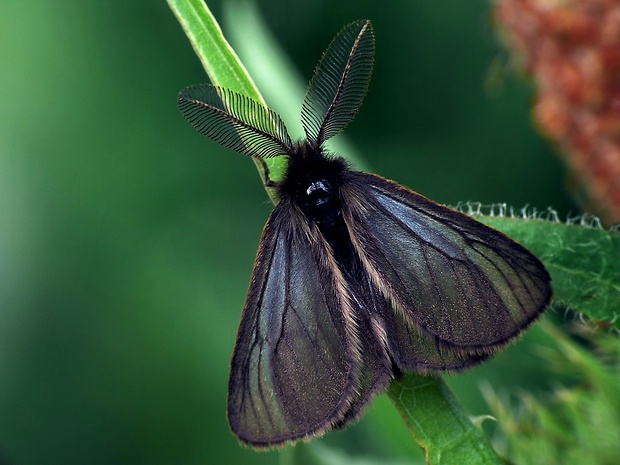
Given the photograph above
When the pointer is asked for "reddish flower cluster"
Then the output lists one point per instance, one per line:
(571, 48)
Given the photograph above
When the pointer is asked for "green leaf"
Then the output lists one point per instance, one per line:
(317, 453)
(440, 426)
(224, 70)
(576, 423)
(582, 258)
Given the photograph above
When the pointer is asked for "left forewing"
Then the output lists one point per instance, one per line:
(295, 366)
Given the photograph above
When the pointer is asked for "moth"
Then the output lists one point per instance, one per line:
(357, 278)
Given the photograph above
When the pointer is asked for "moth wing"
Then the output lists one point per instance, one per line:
(409, 348)
(389, 339)
(294, 369)
(468, 286)
(376, 369)
(415, 350)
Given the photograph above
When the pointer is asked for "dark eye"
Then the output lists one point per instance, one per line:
(318, 192)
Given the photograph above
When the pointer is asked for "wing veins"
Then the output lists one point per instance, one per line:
(262, 394)
(467, 239)
(307, 333)
(520, 296)
(507, 281)
(289, 307)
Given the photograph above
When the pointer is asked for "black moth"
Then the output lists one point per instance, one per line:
(357, 278)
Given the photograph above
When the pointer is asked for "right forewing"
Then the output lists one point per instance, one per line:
(469, 287)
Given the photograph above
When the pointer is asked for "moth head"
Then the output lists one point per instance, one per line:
(312, 184)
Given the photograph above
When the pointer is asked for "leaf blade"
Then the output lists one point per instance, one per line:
(438, 423)
(583, 260)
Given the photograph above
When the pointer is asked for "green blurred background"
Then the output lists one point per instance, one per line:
(127, 240)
